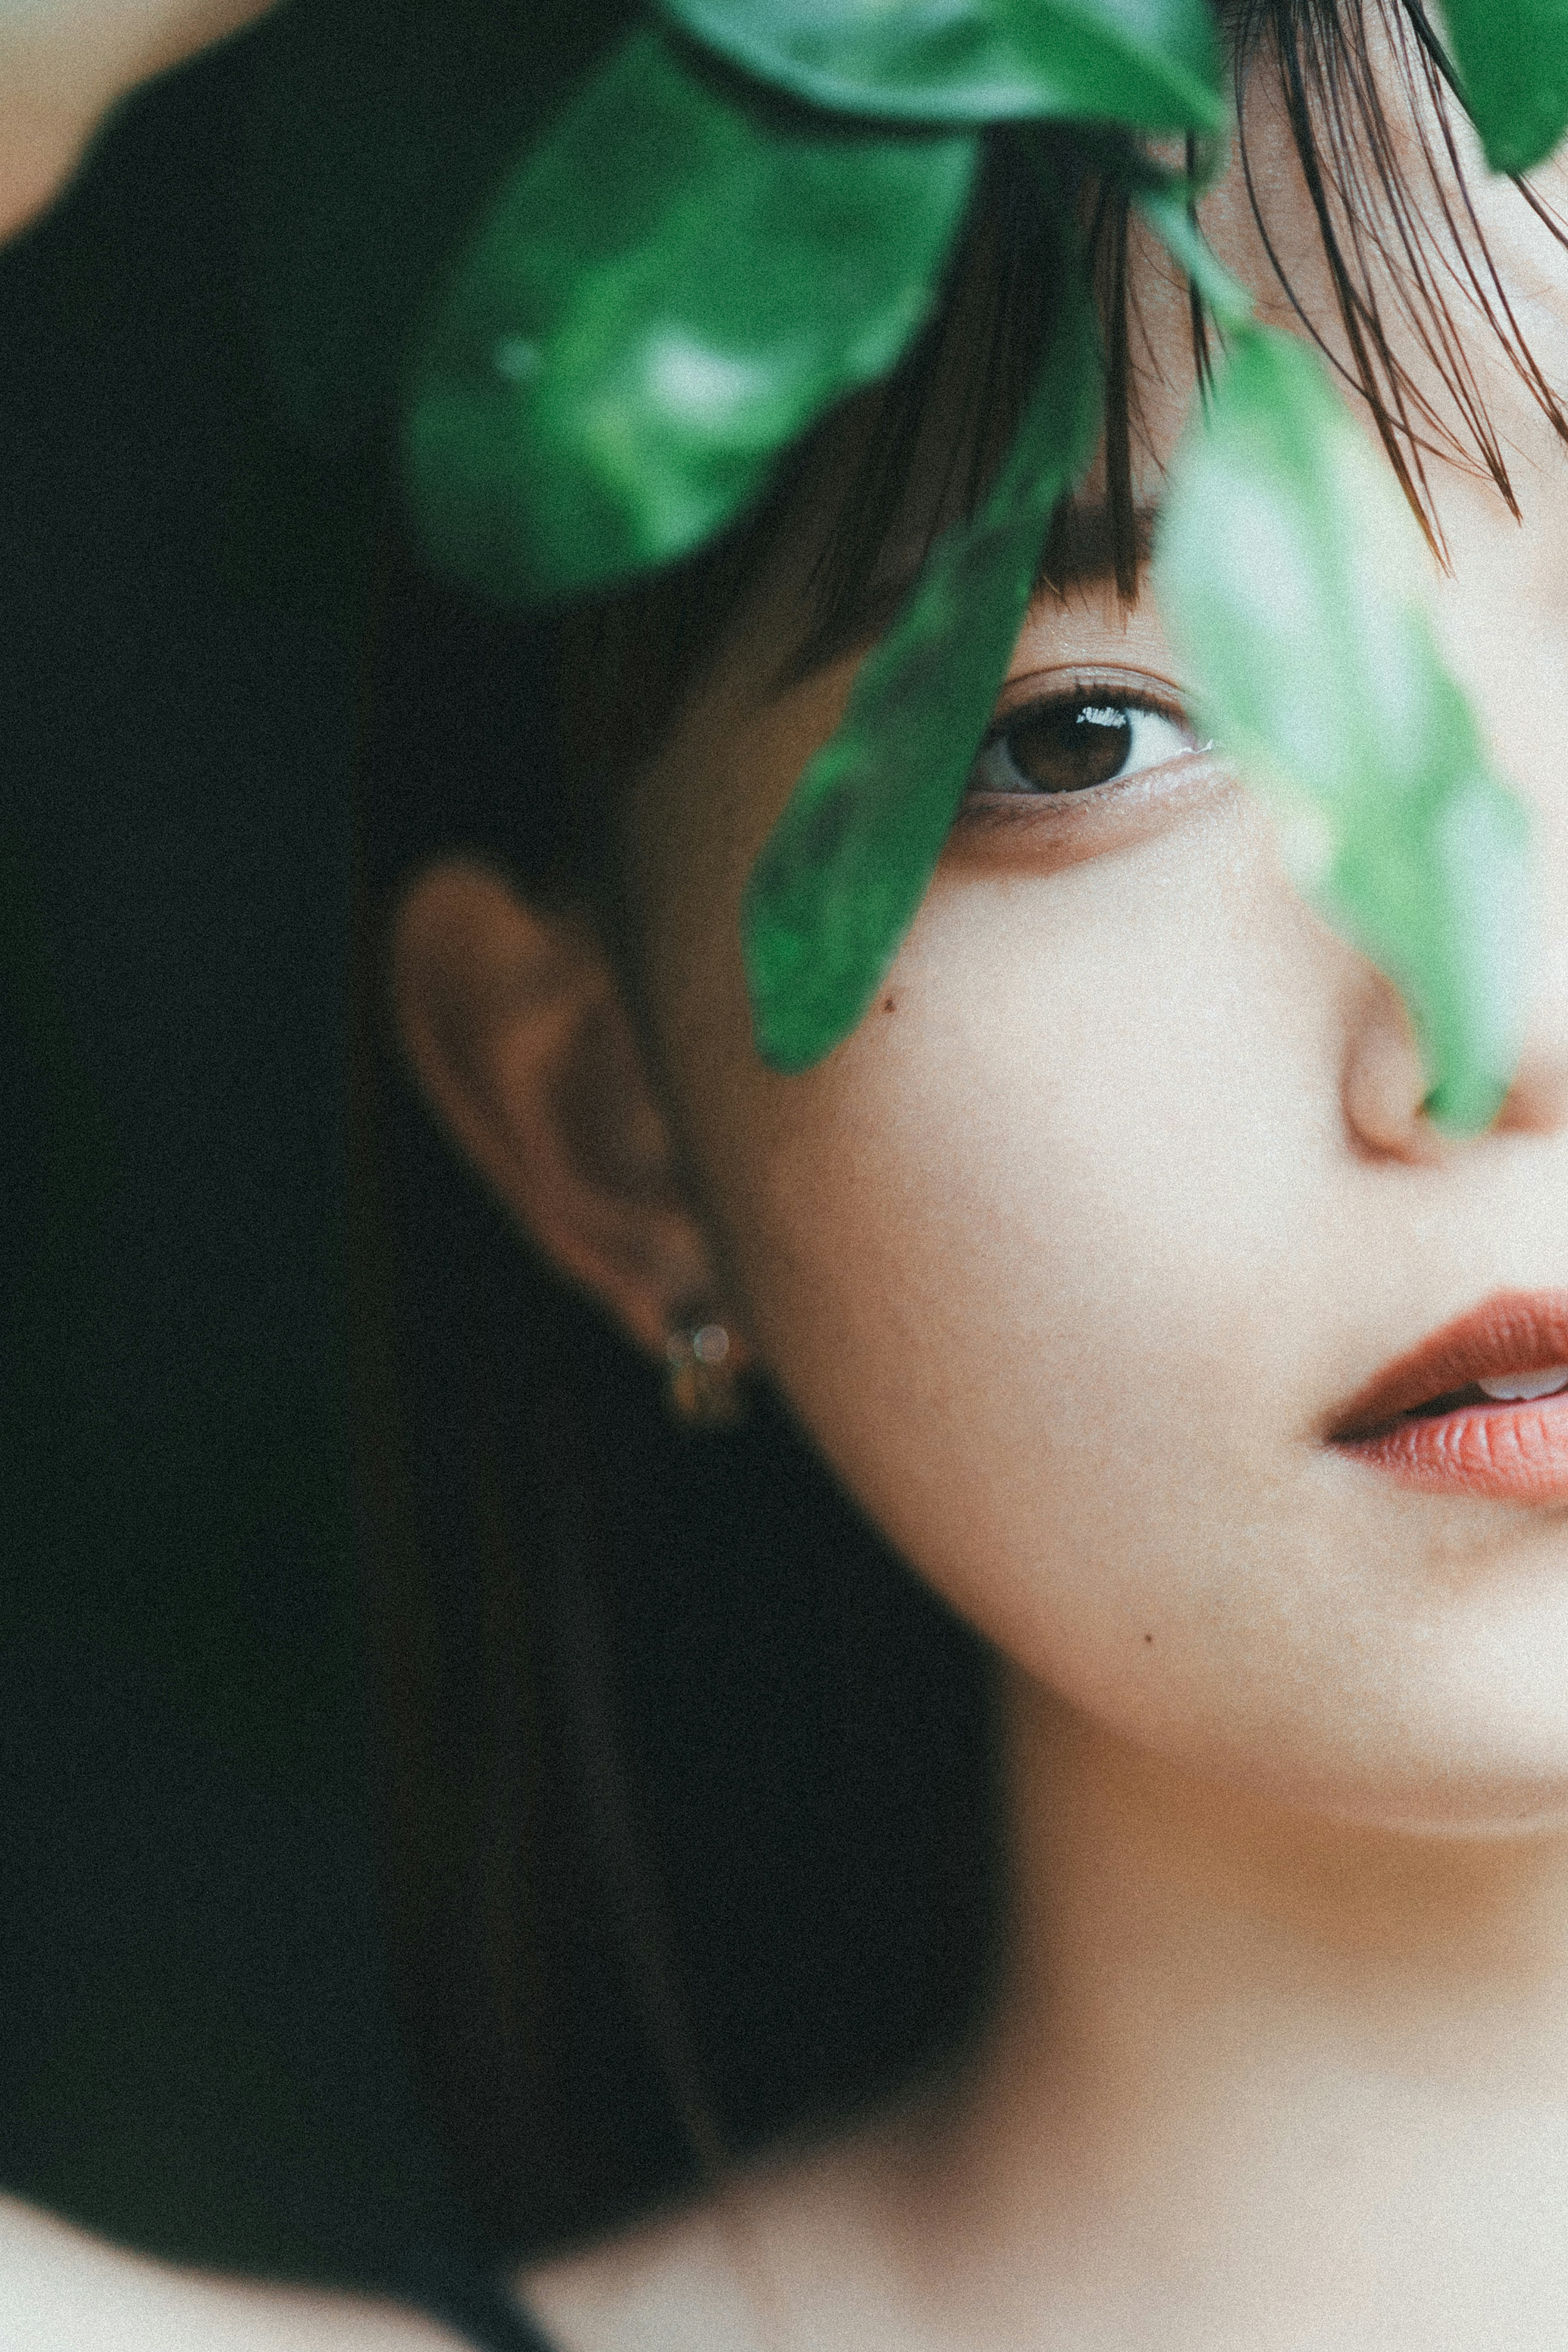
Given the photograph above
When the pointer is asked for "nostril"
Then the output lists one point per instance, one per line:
(1384, 1085)
(1537, 1102)
(1386, 1081)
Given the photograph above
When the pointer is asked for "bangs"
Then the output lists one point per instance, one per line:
(1391, 194)
(1370, 107)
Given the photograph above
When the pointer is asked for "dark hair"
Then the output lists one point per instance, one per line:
(686, 1780)
(1403, 247)
(690, 1830)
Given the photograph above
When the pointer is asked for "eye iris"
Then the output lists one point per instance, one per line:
(1069, 750)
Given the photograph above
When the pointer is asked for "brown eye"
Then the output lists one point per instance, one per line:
(1070, 746)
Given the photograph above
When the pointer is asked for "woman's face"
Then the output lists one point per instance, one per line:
(1067, 1258)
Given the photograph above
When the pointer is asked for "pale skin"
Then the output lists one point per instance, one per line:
(65, 63)
(1063, 1261)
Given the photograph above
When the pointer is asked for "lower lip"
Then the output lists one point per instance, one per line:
(1503, 1452)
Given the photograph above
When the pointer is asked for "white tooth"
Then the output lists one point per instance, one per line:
(1519, 1385)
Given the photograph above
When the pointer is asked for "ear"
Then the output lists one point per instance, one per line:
(516, 1030)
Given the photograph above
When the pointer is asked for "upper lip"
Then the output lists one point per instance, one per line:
(1514, 1331)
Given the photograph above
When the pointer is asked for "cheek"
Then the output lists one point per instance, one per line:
(1059, 1262)
(1045, 1262)
(1017, 1254)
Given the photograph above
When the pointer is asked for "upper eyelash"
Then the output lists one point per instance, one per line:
(1086, 690)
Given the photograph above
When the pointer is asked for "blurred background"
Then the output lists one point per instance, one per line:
(235, 2030)
(198, 2050)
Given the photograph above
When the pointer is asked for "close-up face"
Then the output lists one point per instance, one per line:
(1075, 1257)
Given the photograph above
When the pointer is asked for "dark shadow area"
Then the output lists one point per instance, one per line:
(308, 1932)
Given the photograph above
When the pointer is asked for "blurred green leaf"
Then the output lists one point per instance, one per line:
(665, 294)
(1152, 63)
(842, 875)
(1511, 56)
(1292, 576)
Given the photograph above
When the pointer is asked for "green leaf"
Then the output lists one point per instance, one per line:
(664, 296)
(1292, 576)
(842, 875)
(1511, 56)
(1151, 63)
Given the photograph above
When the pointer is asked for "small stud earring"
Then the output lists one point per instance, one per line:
(702, 1385)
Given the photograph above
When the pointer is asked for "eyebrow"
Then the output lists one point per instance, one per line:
(1080, 551)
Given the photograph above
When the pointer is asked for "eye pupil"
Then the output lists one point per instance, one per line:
(1071, 748)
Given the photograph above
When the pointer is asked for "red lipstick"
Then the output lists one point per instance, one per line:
(1426, 1420)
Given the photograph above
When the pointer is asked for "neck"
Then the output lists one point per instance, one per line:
(1263, 2057)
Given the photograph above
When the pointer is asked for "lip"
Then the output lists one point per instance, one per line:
(1506, 1452)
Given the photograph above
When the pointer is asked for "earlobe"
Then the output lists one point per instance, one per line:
(514, 1027)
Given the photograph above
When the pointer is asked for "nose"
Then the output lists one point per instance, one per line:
(1385, 1080)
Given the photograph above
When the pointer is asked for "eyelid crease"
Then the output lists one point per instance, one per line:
(1074, 685)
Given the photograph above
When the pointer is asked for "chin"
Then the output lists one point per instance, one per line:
(1450, 1790)
(1442, 1754)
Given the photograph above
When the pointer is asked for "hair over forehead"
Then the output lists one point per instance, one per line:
(1370, 109)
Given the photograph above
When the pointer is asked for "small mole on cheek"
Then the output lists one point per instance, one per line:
(887, 1005)
(1149, 1638)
